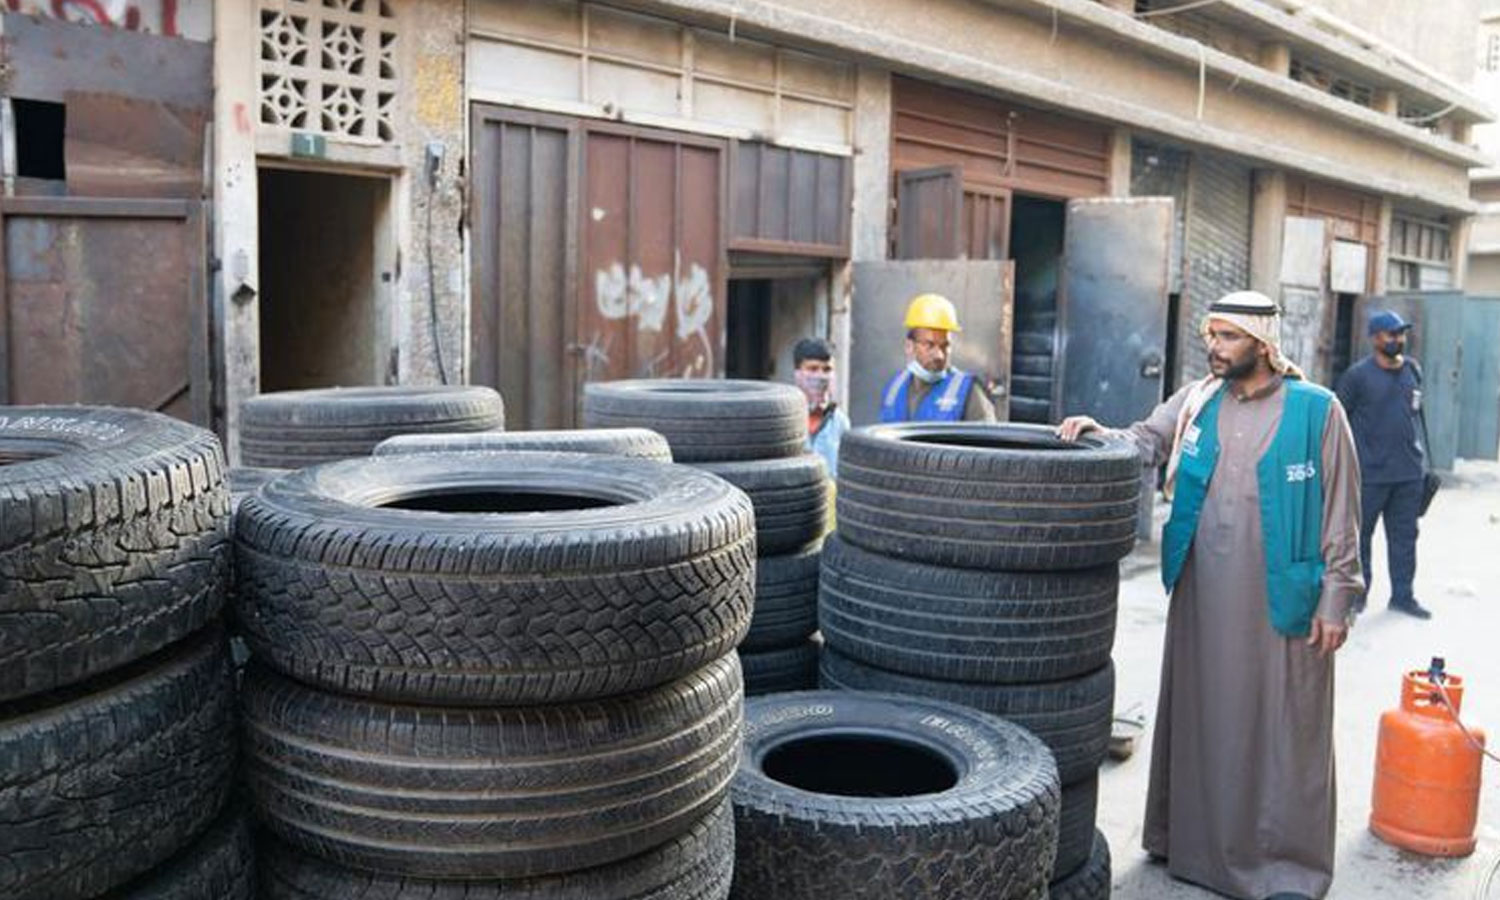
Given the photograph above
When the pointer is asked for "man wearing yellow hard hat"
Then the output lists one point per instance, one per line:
(930, 389)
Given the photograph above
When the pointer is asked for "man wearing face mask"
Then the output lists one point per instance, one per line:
(1383, 395)
(826, 422)
(930, 389)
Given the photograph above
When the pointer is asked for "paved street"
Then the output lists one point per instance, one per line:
(1458, 577)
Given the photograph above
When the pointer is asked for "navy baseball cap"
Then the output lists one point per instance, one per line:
(1387, 320)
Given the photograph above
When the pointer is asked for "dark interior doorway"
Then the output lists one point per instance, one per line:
(1344, 336)
(323, 279)
(1172, 365)
(770, 309)
(1036, 243)
(747, 329)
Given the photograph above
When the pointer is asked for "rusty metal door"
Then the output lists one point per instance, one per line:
(929, 213)
(102, 262)
(101, 302)
(655, 261)
(524, 263)
(1113, 307)
(982, 290)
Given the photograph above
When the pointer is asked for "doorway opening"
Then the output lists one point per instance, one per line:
(1172, 365)
(40, 129)
(1344, 336)
(325, 274)
(1036, 244)
(773, 303)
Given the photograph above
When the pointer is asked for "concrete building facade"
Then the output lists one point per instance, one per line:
(534, 194)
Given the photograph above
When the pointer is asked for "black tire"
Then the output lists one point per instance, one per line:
(695, 866)
(1073, 716)
(484, 608)
(705, 420)
(986, 496)
(1033, 343)
(1075, 826)
(786, 600)
(778, 671)
(293, 429)
(790, 496)
(219, 865)
(114, 540)
(502, 792)
(1091, 881)
(966, 624)
(640, 443)
(1030, 409)
(1032, 364)
(110, 778)
(857, 795)
(246, 480)
(1032, 385)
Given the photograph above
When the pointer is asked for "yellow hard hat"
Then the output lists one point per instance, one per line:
(932, 311)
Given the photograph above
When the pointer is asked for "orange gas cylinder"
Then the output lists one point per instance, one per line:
(1427, 769)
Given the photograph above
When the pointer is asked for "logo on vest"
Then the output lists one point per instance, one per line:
(1299, 472)
(1190, 440)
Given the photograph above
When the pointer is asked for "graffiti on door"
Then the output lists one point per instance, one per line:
(622, 294)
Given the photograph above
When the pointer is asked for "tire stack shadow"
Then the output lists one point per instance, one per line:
(978, 564)
(117, 734)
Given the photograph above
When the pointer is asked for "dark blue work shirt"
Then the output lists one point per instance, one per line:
(1384, 407)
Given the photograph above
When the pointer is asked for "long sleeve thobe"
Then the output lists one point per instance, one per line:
(1242, 796)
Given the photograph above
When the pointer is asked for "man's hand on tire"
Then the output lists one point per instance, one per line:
(1075, 427)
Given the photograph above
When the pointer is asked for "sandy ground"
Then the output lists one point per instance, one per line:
(1458, 577)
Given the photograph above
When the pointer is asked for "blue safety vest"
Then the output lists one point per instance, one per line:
(944, 403)
(1290, 480)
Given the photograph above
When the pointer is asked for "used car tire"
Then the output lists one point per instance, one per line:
(786, 600)
(860, 795)
(293, 429)
(627, 574)
(114, 540)
(219, 865)
(110, 778)
(704, 420)
(777, 671)
(966, 624)
(989, 496)
(641, 443)
(790, 496)
(1076, 825)
(1073, 716)
(694, 866)
(500, 792)
(1091, 881)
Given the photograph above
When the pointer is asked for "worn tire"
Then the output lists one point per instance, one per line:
(246, 480)
(640, 443)
(1089, 882)
(778, 671)
(790, 496)
(219, 865)
(966, 624)
(502, 792)
(987, 496)
(1030, 409)
(1073, 716)
(1076, 823)
(114, 540)
(874, 796)
(293, 429)
(705, 420)
(494, 608)
(109, 778)
(786, 600)
(694, 866)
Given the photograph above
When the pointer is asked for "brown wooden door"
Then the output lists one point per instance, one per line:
(929, 213)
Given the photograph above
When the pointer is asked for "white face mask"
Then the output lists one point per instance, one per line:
(922, 374)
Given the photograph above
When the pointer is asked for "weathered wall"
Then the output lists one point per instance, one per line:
(1484, 275)
(1094, 71)
(1440, 33)
(173, 18)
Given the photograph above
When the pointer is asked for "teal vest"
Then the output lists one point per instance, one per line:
(1291, 503)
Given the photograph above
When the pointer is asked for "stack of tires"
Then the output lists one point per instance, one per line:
(752, 434)
(978, 564)
(117, 734)
(494, 675)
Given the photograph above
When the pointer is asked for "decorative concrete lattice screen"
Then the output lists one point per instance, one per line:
(328, 66)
